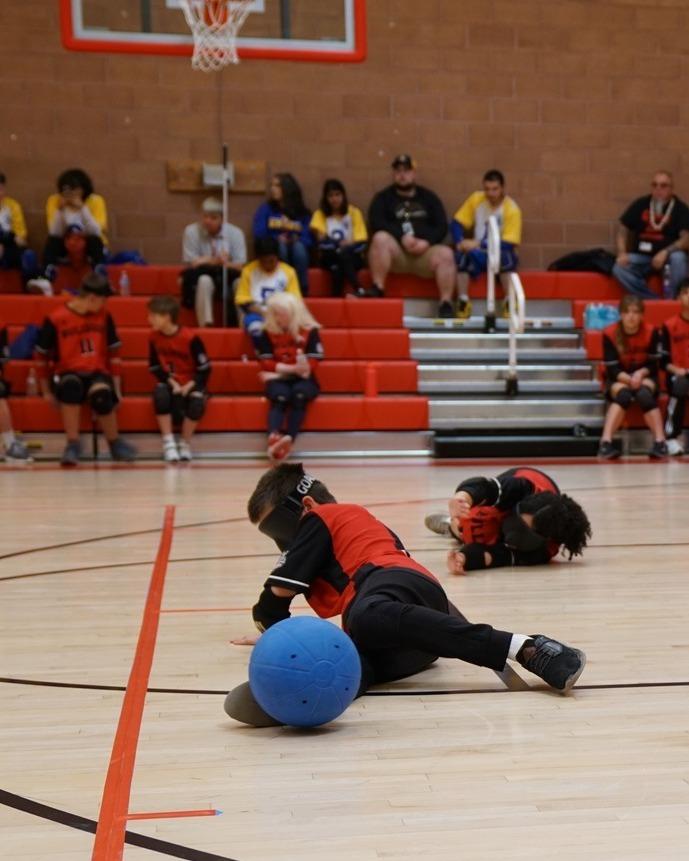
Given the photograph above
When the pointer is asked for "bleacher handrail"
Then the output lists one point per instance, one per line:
(516, 301)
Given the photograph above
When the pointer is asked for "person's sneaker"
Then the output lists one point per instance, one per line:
(280, 449)
(674, 447)
(120, 449)
(376, 291)
(658, 450)
(505, 309)
(71, 454)
(463, 309)
(557, 664)
(170, 453)
(445, 311)
(184, 451)
(39, 287)
(438, 523)
(607, 451)
(17, 453)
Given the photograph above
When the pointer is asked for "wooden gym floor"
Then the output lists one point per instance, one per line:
(452, 767)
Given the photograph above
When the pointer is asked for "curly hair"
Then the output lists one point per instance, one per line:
(559, 518)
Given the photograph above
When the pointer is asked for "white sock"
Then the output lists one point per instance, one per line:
(168, 440)
(8, 438)
(464, 297)
(516, 643)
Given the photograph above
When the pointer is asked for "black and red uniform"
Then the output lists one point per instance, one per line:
(345, 561)
(493, 500)
(86, 345)
(674, 350)
(640, 351)
(181, 356)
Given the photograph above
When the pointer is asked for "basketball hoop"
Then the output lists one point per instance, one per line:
(214, 25)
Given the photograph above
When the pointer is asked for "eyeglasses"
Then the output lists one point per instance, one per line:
(661, 184)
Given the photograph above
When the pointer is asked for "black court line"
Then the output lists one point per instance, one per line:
(387, 693)
(81, 823)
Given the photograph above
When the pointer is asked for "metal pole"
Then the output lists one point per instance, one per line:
(225, 210)
(146, 19)
(285, 20)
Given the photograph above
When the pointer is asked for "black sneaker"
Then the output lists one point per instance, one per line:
(120, 449)
(71, 454)
(464, 309)
(607, 451)
(557, 664)
(659, 450)
(446, 311)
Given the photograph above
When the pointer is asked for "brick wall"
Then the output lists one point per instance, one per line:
(577, 101)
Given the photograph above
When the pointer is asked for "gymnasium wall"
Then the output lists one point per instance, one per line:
(577, 101)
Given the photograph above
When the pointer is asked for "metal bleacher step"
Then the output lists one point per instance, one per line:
(475, 323)
(515, 413)
(468, 378)
(476, 346)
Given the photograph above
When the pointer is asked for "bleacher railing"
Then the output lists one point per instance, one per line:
(516, 303)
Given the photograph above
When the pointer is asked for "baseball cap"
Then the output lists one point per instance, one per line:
(212, 205)
(96, 284)
(404, 160)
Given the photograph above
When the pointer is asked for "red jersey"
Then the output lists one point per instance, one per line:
(282, 347)
(640, 351)
(335, 548)
(674, 338)
(181, 355)
(81, 343)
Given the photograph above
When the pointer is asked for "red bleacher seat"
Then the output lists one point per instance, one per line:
(10, 281)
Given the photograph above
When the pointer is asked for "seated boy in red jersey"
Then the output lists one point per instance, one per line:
(78, 347)
(518, 518)
(345, 561)
(178, 360)
(15, 451)
(674, 359)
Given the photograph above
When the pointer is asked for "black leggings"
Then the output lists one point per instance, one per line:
(289, 397)
(401, 622)
(343, 264)
(678, 388)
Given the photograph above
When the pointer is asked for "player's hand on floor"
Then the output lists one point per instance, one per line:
(456, 561)
(245, 640)
(460, 505)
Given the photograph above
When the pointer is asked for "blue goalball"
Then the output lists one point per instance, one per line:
(304, 671)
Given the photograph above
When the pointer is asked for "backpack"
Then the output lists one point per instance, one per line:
(592, 260)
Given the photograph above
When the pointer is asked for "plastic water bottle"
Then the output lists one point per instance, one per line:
(667, 282)
(125, 287)
(31, 383)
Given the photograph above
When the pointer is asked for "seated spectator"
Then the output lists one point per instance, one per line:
(472, 250)
(178, 360)
(259, 280)
(518, 518)
(284, 217)
(14, 253)
(15, 451)
(208, 245)
(653, 233)
(674, 358)
(341, 233)
(78, 350)
(630, 355)
(75, 203)
(289, 350)
(408, 225)
(75, 266)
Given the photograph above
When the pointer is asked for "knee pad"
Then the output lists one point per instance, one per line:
(680, 387)
(195, 406)
(70, 389)
(624, 398)
(646, 399)
(102, 399)
(162, 399)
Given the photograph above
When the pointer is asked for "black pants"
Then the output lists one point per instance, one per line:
(343, 264)
(288, 400)
(401, 621)
(11, 254)
(678, 388)
(55, 251)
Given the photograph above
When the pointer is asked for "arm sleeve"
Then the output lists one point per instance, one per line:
(664, 347)
(202, 362)
(154, 364)
(611, 359)
(238, 247)
(310, 553)
(190, 247)
(91, 225)
(318, 223)
(654, 353)
(313, 349)
(501, 556)
(512, 224)
(97, 208)
(305, 235)
(50, 210)
(435, 230)
(243, 294)
(44, 351)
(270, 609)
(56, 225)
(502, 492)
(259, 225)
(380, 218)
(264, 351)
(359, 232)
(18, 222)
(465, 215)
(293, 284)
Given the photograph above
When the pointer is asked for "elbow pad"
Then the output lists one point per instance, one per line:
(270, 609)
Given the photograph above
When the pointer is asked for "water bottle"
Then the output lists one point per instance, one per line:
(31, 383)
(125, 287)
(667, 282)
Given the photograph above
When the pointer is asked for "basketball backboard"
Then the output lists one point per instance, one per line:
(311, 30)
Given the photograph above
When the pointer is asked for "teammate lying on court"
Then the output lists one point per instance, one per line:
(346, 562)
(518, 518)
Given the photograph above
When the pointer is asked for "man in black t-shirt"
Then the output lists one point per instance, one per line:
(408, 226)
(653, 234)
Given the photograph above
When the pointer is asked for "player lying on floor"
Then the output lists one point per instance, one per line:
(345, 562)
(518, 518)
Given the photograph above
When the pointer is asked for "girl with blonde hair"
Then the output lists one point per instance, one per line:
(289, 350)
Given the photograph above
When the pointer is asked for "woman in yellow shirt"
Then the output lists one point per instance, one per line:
(341, 233)
(75, 203)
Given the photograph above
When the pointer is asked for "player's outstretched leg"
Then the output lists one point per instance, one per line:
(557, 664)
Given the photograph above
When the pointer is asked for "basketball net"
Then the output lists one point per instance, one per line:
(214, 25)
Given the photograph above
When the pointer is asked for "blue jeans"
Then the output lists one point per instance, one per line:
(297, 255)
(475, 262)
(633, 276)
